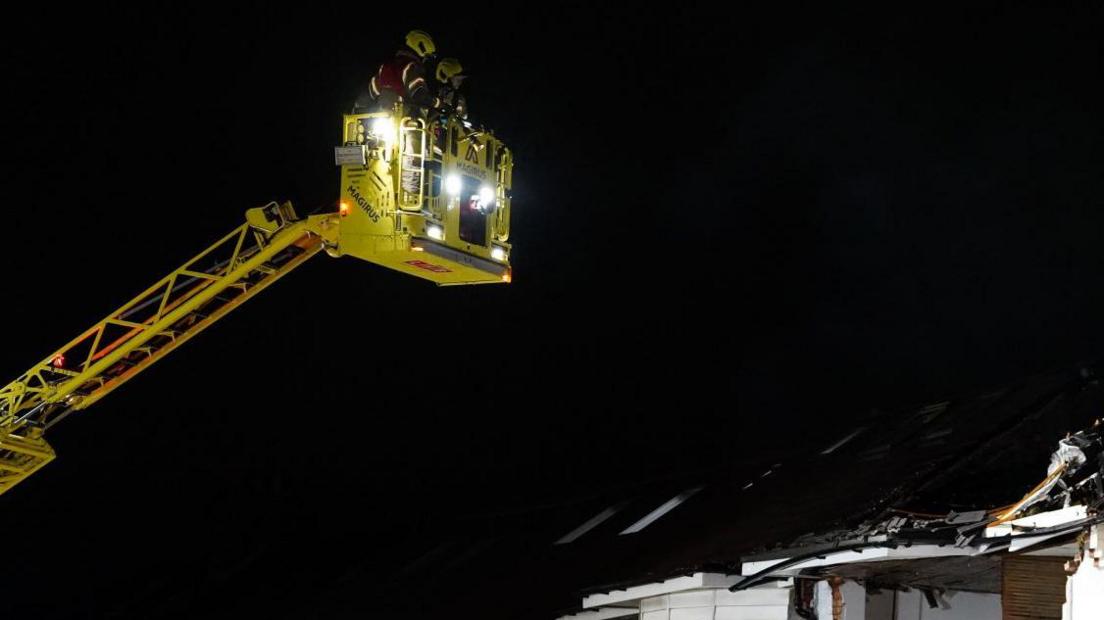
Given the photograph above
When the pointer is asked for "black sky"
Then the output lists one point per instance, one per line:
(733, 232)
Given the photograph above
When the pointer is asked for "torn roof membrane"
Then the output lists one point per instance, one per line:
(1062, 506)
(931, 475)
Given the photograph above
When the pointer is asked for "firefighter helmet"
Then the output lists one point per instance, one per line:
(447, 69)
(421, 43)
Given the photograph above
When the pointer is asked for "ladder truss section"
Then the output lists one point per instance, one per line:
(144, 330)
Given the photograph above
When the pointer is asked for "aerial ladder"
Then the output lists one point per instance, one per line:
(426, 197)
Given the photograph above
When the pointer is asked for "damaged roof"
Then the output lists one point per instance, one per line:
(536, 561)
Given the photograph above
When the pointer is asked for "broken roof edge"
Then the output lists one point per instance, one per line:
(1064, 523)
(866, 520)
(973, 533)
(1070, 480)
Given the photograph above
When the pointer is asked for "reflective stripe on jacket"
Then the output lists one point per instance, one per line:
(403, 75)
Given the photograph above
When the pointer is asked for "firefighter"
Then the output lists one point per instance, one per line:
(449, 77)
(452, 102)
(403, 78)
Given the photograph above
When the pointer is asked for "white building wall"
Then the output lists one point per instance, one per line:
(1085, 588)
(773, 602)
(765, 603)
(881, 605)
(953, 606)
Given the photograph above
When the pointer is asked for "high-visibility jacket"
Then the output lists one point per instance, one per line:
(403, 75)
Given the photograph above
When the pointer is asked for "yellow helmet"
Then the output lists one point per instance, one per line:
(448, 68)
(421, 43)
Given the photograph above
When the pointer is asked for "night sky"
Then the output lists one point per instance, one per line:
(733, 233)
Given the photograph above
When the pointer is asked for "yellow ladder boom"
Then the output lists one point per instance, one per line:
(428, 199)
(271, 243)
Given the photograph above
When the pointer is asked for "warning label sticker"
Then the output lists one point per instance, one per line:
(421, 264)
